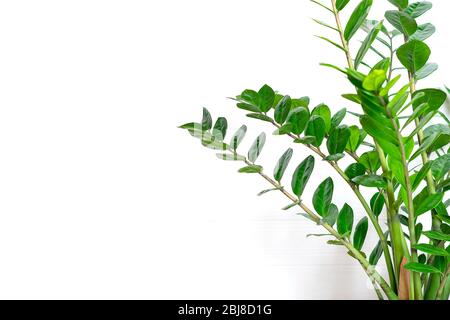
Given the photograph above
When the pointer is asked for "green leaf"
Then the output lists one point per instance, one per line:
(401, 4)
(429, 203)
(301, 176)
(248, 107)
(316, 129)
(427, 143)
(260, 116)
(355, 170)
(421, 175)
(334, 157)
(230, 157)
(437, 235)
(370, 160)
(352, 97)
(367, 43)
(421, 268)
(376, 254)
(377, 203)
(377, 130)
(435, 98)
(441, 166)
(282, 164)
(206, 120)
(360, 233)
(298, 118)
(374, 80)
(284, 129)
(423, 32)
(401, 21)
(236, 139)
(332, 215)
(251, 97)
(345, 220)
(322, 197)
(413, 55)
(354, 139)
(389, 86)
(430, 249)
(371, 181)
(340, 4)
(323, 111)
(220, 128)
(426, 70)
(266, 97)
(338, 117)
(282, 109)
(305, 140)
(256, 147)
(300, 102)
(357, 18)
(251, 169)
(417, 9)
(338, 139)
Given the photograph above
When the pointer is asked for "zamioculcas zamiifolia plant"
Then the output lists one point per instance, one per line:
(399, 152)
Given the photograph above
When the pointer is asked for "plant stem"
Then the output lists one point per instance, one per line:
(399, 247)
(440, 290)
(341, 34)
(434, 279)
(373, 219)
(416, 283)
(371, 272)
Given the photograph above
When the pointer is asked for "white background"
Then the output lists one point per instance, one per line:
(101, 196)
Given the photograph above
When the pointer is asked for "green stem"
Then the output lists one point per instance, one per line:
(371, 272)
(443, 284)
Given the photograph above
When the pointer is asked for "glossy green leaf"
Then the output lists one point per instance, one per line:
(260, 116)
(316, 129)
(340, 4)
(402, 22)
(401, 4)
(333, 213)
(421, 268)
(334, 157)
(423, 32)
(282, 109)
(422, 206)
(376, 254)
(282, 164)
(371, 181)
(367, 43)
(413, 55)
(354, 138)
(389, 86)
(298, 119)
(360, 233)
(435, 98)
(374, 80)
(220, 128)
(256, 148)
(430, 249)
(370, 160)
(352, 97)
(248, 107)
(426, 70)
(266, 97)
(236, 139)
(300, 102)
(230, 157)
(284, 129)
(355, 170)
(377, 203)
(301, 176)
(345, 220)
(323, 111)
(338, 117)
(357, 18)
(206, 120)
(441, 166)
(421, 175)
(250, 97)
(251, 169)
(338, 139)
(322, 197)
(417, 9)
(436, 235)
